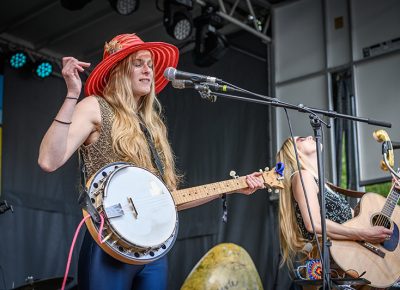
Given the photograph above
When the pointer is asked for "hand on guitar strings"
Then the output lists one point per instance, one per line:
(255, 182)
(375, 234)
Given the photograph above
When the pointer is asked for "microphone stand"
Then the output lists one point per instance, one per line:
(315, 122)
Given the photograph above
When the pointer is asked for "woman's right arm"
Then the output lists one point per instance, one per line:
(75, 121)
(373, 234)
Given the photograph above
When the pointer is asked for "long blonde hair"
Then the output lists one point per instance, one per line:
(291, 239)
(127, 137)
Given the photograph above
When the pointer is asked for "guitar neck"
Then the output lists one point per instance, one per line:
(391, 202)
(208, 190)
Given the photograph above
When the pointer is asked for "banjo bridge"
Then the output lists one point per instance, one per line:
(135, 213)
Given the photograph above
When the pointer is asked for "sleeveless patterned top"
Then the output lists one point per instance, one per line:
(337, 210)
(100, 153)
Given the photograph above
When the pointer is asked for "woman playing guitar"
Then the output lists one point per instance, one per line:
(295, 220)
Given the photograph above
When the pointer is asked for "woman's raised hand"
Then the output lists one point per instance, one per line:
(70, 71)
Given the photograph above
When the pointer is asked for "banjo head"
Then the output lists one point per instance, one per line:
(140, 217)
(149, 214)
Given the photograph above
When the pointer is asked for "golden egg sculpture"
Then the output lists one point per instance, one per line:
(225, 266)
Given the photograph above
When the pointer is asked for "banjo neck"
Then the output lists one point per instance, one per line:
(271, 179)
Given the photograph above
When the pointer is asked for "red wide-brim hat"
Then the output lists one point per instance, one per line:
(164, 55)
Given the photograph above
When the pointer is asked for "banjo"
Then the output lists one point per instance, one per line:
(140, 215)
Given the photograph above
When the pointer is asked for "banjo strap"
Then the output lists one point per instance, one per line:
(154, 154)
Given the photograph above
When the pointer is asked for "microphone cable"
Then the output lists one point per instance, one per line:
(294, 147)
(71, 250)
(302, 184)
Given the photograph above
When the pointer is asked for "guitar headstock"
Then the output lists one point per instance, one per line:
(274, 178)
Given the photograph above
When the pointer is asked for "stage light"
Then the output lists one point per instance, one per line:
(178, 19)
(43, 69)
(125, 7)
(18, 59)
(210, 45)
(74, 4)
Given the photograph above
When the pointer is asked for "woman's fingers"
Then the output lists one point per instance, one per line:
(254, 181)
(71, 64)
(84, 64)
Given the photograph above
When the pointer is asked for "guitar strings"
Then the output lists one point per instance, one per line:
(382, 220)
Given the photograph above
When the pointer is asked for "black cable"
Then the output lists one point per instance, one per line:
(275, 100)
(302, 183)
(158, 6)
(327, 275)
(3, 278)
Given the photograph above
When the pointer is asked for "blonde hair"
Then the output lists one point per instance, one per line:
(291, 239)
(127, 137)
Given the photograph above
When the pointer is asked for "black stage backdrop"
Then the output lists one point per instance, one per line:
(209, 140)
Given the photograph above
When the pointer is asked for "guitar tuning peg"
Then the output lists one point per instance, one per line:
(233, 174)
(269, 190)
(260, 170)
(276, 191)
(266, 168)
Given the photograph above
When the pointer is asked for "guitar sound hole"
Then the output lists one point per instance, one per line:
(381, 220)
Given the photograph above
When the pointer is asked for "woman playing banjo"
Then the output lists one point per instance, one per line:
(110, 125)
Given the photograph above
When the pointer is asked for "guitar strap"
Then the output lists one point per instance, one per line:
(155, 157)
(348, 192)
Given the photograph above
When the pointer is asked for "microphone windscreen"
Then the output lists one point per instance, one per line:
(169, 73)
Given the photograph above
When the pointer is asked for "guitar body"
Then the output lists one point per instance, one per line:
(383, 269)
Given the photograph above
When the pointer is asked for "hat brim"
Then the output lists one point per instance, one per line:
(164, 55)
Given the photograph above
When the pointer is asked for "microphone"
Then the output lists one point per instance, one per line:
(186, 84)
(202, 88)
(183, 84)
(387, 148)
(171, 74)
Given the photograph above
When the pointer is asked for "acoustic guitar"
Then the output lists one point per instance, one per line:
(380, 262)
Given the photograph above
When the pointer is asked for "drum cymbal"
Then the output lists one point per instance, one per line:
(44, 284)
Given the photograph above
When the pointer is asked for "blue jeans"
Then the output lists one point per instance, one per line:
(99, 271)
